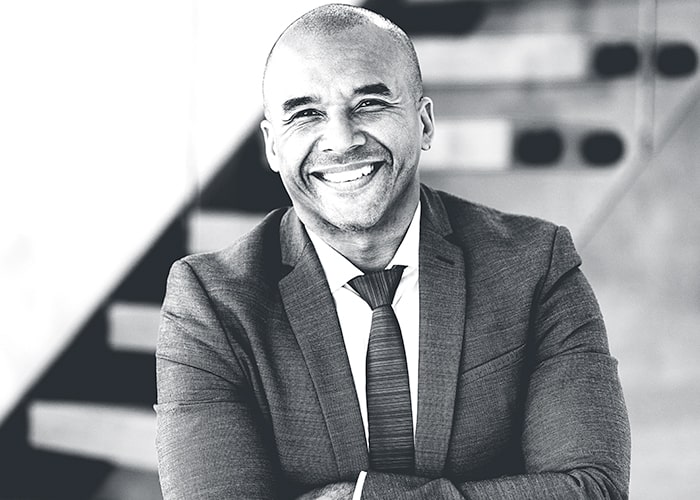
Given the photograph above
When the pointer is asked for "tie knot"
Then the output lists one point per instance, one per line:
(378, 288)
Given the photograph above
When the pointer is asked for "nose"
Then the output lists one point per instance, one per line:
(340, 134)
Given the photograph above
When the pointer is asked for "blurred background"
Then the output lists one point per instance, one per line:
(129, 138)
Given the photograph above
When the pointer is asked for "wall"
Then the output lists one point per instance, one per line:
(643, 264)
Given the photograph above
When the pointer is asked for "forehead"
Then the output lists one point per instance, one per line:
(326, 65)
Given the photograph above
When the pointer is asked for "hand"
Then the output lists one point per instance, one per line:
(334, 491)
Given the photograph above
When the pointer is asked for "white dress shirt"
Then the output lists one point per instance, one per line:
(355, 315)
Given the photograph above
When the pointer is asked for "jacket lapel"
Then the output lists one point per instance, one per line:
(442, 314)
(313, 318)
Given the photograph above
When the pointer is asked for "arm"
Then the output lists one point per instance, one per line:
(575, 441)
(211, 438)
(334, 491)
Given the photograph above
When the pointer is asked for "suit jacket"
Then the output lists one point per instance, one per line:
(518, 396)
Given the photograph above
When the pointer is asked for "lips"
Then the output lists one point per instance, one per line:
(347, 173)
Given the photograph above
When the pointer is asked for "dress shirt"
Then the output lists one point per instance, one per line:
(355, 315)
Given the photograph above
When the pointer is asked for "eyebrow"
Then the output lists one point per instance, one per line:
(373, 88)
(295, 102)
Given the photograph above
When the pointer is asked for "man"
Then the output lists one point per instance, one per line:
(270, 381)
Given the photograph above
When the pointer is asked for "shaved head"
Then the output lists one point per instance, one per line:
(329, 20)
(345, 123)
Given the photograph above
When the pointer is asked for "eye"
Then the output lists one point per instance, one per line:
(304, 113)
(370, 103)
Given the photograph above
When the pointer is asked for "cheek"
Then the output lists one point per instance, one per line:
(401, 135)
(294, 147)
(405, 148)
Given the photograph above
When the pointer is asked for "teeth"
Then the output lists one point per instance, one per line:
(347, 176)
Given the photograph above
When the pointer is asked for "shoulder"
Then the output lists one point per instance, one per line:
(480, 223)
(491, 238)
(255, 257)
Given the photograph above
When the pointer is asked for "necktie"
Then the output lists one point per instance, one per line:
(388, 395)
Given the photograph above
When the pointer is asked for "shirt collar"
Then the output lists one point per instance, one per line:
(340, 270)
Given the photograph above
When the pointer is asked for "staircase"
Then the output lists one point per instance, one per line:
(549, 108)
(88, 427)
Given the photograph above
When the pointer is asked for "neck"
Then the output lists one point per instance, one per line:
(371, 249)
(366, 251)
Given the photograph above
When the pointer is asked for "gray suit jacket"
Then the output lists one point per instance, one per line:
(518, 396)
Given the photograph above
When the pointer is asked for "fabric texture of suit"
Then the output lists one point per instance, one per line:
(518, 396)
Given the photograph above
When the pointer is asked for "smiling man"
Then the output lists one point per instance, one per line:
(380, 339)
(345, 123)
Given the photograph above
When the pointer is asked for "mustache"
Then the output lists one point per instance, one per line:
(359, 155)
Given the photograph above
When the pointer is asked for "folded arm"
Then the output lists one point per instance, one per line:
(576, 439)
(212, 441)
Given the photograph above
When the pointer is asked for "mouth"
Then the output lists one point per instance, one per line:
(347, 173)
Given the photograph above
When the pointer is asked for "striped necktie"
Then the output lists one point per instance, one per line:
(388, 395)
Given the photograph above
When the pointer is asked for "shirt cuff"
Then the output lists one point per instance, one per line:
(357, 494)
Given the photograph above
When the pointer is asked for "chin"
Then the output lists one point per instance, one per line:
(362, 223)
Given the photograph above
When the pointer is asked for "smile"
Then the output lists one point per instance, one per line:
(343, 175)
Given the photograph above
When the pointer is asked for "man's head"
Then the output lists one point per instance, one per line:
(331, 19)
(346, 119)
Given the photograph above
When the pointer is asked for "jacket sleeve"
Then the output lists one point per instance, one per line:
(576, 438)
(210, 438)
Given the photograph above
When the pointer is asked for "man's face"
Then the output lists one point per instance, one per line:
(344, 129)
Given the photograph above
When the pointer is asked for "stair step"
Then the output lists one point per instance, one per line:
(611, 103)
(128, 484)
(473, 144)
(121, 435)
(503, 58)
(496, 144)
(212, 230)
(133, 327)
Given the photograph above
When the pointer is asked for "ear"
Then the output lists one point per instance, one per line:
(428, 120)
(269, 137)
